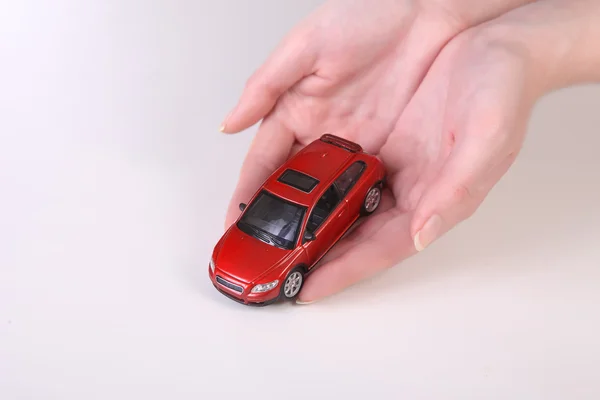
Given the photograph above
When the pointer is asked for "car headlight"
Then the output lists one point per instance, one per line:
(212, 265)
(264, 287)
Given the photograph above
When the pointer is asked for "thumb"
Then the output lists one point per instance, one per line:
(461, 186)
(290, 62)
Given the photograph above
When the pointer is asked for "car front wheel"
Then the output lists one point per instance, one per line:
(293, 283)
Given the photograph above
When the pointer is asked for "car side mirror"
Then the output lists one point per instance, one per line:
(242, 206)
(309, 236)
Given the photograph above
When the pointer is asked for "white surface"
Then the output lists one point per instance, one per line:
(114, 183)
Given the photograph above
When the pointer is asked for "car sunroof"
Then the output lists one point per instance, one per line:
(298, 180)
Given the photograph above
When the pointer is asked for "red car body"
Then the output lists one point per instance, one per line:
(294, 218)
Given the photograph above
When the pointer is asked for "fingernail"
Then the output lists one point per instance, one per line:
(428, 233)
(304, 302)
(224, 124)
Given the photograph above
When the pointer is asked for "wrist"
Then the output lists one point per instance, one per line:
(469, 13)
(559, 41)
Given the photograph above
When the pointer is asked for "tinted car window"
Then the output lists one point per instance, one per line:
(323, 208)
(273, 220)
(348, 178)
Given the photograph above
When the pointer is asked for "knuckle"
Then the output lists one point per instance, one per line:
(466, 208)
(271, 90)
(461, 194)
(491, 127)
(258, 83)
(469, 211)
(467, 199)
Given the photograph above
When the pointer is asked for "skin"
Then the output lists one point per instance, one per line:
(440, 90)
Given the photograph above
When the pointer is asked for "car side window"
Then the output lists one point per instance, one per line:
(323, 208)
(349, 177)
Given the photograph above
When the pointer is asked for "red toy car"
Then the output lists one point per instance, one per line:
(297, 215)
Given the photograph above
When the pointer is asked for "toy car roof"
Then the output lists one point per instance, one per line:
(300, 178)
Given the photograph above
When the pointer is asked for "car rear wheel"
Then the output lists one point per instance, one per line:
(293, 283)
(372, 200)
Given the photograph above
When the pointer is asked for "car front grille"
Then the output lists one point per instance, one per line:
(229, 285)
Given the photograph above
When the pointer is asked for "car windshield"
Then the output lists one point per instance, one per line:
(273, 220)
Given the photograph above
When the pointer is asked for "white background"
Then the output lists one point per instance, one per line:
(114, 183)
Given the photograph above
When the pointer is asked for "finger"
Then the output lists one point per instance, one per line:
(384, 248)
(462, 184)
(289, 63)
(296, 147)
(363, 229)
(269, 149)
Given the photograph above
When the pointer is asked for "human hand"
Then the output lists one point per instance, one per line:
(350, 68)
(353, 70)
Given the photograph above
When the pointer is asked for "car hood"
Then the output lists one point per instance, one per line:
(245, 257)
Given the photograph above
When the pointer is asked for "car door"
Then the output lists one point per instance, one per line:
(349, 186)
(327, 221)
